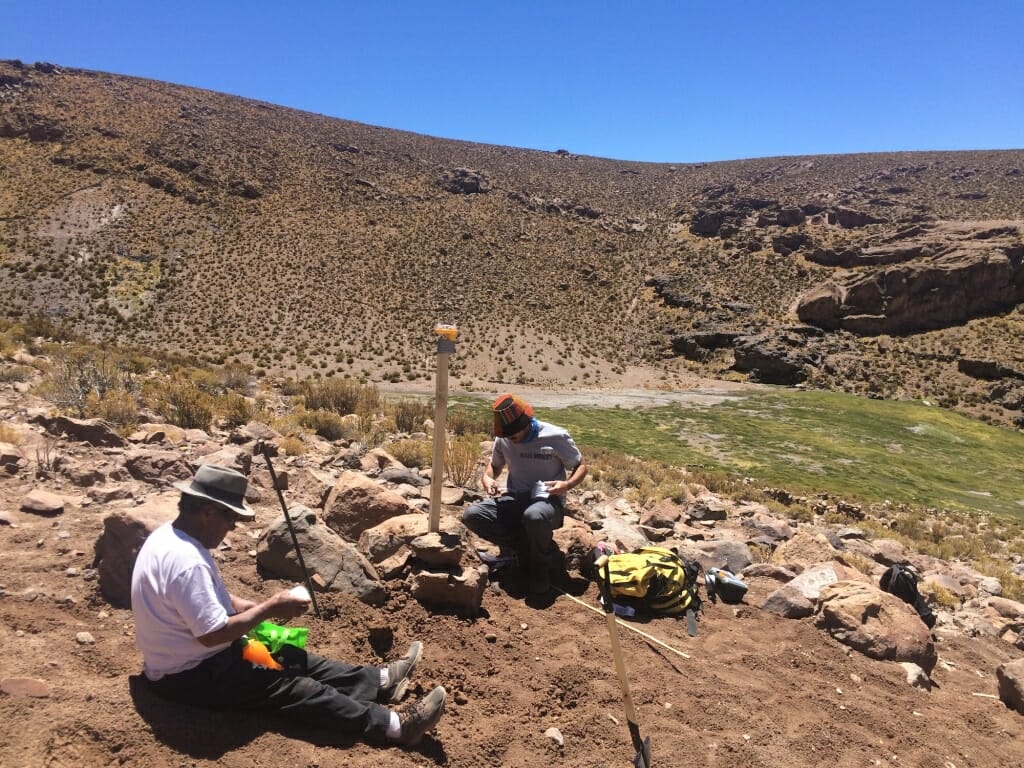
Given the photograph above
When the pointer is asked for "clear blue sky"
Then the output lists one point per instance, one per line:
(658, 80)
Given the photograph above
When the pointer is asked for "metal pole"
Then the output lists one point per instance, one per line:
(291, 529)
(445, 346)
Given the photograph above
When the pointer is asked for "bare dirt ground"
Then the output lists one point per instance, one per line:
(754, 689)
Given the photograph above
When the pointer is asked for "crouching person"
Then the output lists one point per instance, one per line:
(189, 628)
(543, 465)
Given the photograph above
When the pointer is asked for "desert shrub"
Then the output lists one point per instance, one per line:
(328, 424)
(941, 596)
(409, 415)
(10, 435)
(37, 325)
(863, 564)
(182, 403)
(235, 376)
(461, 455)
(342, 396)
(117, 406)
(760, 553)
(469, 421)
(234, 409)
(412, 453)
(82, 373)
(15, 373)
(291, 446)
(205, 380)
(12, 337)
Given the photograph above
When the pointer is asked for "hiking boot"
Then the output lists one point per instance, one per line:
(420, 716)
(399, 673)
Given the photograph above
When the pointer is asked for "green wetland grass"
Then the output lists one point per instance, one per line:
(856, 448)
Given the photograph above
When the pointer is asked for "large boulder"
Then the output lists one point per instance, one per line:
(385, 539)
(124, 532)
(462, 592)
(1011, 684)
(92, 431)
(333, 563)
(357, 503)
(877, 624)
(774, 358)
(156, 467)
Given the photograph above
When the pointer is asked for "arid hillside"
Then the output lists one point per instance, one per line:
(189, 221)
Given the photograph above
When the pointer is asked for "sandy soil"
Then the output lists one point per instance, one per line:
(752, 690)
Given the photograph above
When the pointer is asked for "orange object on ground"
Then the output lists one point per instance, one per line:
(256, 653)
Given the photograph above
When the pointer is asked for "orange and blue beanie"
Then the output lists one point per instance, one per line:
(511, 415)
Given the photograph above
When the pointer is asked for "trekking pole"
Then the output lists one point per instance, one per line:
(291, 529)
(642, 745)
(445, 346)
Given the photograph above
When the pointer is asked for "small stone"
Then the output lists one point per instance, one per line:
(460, 698)
(490, 637)
(524, 625)
(252, 553)
(25, 686)
(555, 735)
(102, 615)
(71, 572)
(84, 638)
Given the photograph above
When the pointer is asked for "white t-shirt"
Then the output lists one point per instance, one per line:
(177, 596)
(547, 457)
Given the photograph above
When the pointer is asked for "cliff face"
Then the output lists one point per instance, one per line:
(190, 221)
(949, 278)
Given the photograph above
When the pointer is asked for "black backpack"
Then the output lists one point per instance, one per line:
(901, 580)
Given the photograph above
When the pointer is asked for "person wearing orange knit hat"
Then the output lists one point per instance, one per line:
(543, 465)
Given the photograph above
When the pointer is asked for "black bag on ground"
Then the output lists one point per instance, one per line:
(901, 580)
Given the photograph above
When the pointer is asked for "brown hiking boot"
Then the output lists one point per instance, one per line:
(420, 716)
(399, 673)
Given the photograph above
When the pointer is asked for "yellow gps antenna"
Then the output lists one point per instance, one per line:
(446, 335)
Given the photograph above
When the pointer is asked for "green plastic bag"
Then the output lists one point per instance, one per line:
(274, 636)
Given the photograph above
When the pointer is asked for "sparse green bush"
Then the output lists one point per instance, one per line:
(182, 403)
(412, 453)
(235, 409)
(82, 373)
(409, 415)
(469, 421)
(15, 373)
(117, 406)
(462, 454)
(342, 396)
(328, 424)
(292, 446)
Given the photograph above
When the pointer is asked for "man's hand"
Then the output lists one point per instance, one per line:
(284, 605)
(557, 487)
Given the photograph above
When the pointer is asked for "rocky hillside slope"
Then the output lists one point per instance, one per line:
(185, 220)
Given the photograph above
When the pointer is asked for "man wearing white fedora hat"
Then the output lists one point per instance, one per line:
(189, 628)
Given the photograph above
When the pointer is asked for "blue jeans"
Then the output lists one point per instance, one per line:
(511, 518)
(317, 690)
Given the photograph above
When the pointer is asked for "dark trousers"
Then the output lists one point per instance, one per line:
(512, 518)
(316, 690)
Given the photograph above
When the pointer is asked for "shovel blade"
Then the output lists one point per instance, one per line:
(643, 757)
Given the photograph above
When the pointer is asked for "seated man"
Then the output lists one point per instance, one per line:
(189, 629)
(539, 456)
